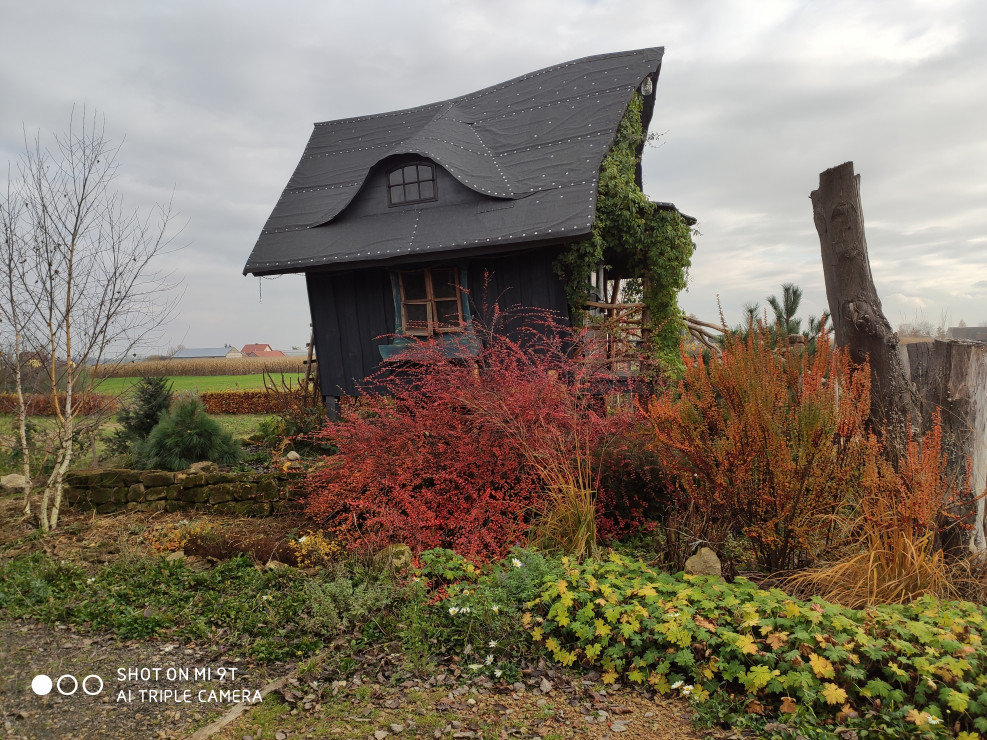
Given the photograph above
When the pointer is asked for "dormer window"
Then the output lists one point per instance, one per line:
(410, 183)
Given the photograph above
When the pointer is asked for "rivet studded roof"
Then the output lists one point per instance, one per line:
(533, 145)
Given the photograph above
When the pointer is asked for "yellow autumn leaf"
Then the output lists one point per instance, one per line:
(536, 634)
(609, 677)
(917, 717)
(526, 619)
(563, 586)
(647, 591)
(746, 645)
(833, 694)
(552, 644)
(821, 667)
(777, 639)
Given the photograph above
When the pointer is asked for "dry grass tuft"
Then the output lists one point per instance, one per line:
(566, 520)
(895, 567)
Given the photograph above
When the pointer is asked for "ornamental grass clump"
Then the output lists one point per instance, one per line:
(771, 442)
(895, 551)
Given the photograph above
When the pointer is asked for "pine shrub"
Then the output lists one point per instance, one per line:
(151, 398)
(185, 435)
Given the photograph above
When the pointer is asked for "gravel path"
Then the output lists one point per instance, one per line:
(28, 649)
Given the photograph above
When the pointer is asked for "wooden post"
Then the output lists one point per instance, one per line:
(858, 319)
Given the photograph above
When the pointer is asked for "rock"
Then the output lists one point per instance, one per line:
(703, 563)
(14, 482)
(618, 727)
(203, 467)
(293, 456)
(395, 556)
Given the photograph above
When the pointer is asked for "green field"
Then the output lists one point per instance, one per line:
(197, 383)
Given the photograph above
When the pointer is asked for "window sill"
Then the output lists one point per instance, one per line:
(452, 345)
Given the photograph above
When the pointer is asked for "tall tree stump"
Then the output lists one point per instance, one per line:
(858, 319)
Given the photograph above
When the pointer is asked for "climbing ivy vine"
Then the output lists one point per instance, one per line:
(655, 244)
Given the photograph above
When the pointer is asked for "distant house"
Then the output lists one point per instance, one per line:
(202, 353)
(260, 350)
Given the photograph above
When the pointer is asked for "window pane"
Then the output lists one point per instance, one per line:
(413, 284)
(395, 178)
(416, 318)
(411, 192)
(444, 284)
(425, 172)
(410, 174)
(427, 190)
(448, 312)
(397, 194)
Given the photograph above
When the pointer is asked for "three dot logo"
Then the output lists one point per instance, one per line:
(66, 684)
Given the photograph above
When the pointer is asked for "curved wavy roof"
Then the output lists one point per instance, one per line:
(542, 133)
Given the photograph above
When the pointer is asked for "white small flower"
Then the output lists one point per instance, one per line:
(90, 580)
(673, 614)
(265, 597)
(465, 610)
(498, 673)
(453, 610)
(492, 643)
(302, 539)
(686, 690)
(677, 684)
(475, 666)
(489, 660)
(496, 609)
(516, 563)
(934, 721)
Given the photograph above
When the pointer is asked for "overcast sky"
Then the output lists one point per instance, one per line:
(217, 100)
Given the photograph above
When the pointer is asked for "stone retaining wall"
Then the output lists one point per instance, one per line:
(245, 494)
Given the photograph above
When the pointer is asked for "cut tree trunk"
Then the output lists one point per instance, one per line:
(858, 319)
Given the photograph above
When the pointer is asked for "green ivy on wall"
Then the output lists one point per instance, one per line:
(654, 244)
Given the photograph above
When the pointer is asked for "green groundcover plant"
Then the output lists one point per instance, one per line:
(911, 670)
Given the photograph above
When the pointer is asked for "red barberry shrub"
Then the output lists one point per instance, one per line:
(460, 441)
(769, 441)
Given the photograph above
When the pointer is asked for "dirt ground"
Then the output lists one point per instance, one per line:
(543, 704)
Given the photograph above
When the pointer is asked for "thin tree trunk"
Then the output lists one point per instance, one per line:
(22, 425)
(858, 319)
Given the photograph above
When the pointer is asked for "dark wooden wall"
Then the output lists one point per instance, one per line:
(353, 312)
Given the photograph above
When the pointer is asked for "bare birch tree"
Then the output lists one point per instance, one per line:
(86, 287)
(12, 315)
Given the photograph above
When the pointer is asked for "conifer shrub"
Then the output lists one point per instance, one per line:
(151, 398)
(185, 435)
(470, 447)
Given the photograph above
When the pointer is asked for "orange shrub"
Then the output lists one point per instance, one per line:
(771, 442)
(239, 402)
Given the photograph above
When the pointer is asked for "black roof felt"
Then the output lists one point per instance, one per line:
(533, 146)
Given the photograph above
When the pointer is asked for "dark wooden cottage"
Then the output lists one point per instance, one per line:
(390, 215)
